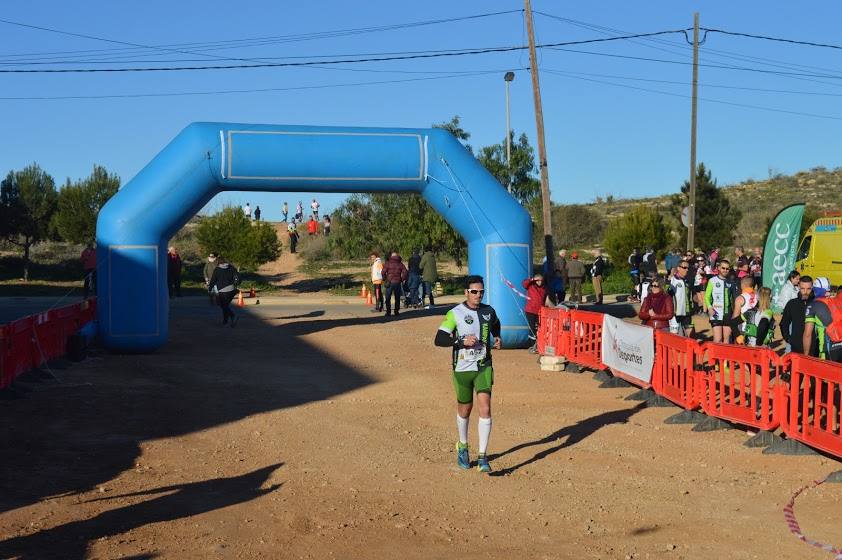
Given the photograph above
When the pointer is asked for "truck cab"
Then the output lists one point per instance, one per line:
(820, 251)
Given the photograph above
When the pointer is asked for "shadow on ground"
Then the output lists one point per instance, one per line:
(74, 437)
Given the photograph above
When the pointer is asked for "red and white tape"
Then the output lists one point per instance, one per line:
(792, 522)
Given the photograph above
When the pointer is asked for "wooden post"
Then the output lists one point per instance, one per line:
(691, 218)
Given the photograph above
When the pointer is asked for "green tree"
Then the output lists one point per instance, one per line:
(454, 126)
(576, 225)
(79, 204)
(27, 204)
(231, 234)
(522, 175)
(642, 227)
(716, 219)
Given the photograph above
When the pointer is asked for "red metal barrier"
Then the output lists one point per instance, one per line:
(676, 375)
(737, 384)
(810, 411)
(552, 336)
(46, 339)
(585, 339)
(16, 350)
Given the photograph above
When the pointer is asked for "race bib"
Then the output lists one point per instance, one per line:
(473, 354)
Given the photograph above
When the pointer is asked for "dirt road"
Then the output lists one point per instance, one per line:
(314, 431)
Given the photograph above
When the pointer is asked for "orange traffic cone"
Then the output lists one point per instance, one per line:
(363, 292)
(369, 300)
(240, 301)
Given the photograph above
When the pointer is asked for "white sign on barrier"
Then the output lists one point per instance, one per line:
(628, 348)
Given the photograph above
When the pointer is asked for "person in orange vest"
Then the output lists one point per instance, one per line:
(823, 318)
(312, 226)
(89, 266)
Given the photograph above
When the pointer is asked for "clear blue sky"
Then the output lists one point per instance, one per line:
(603, 137)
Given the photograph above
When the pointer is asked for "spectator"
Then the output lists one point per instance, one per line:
(649, 263)
(747, 298)
(823, 323)
(257, 214)
(314, 207)
(755, 266)
(285, 211)
(299, 212)
(394, 274)
(312, 226)
(174, 272)
(792, 319)
(377, 279)
(741, 258)
(326, 225)
(224, 281)
(414, 280)
(656, 311)
(635, 261)
(682, 304)
(89, 266)
(292, 231)
(536, 293)
(576, 273)
(671, 261)
(756, 325)
(561, 272)
(210, 266)
(719, 302)
(790, 289)
(247, 210)
(597, 272)
(429, 274)
(713, 258)
(554, 286)
(821, 285)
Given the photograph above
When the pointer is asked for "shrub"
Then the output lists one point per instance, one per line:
(231, 234)
(642, 227)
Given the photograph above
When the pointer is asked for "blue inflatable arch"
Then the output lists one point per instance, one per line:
(205, 159)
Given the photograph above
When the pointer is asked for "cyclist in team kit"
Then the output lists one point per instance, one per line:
(719, 302)
(472, 329)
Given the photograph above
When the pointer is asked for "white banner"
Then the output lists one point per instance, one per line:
(628, 348)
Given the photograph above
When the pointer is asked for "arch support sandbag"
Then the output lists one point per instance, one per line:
(208, 158)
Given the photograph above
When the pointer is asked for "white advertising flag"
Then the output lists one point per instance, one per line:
(628, 349)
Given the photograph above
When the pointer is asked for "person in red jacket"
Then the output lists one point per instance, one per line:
(174, 272)
(394, 275)
(536, 294)
(312, 226)
(657, 308)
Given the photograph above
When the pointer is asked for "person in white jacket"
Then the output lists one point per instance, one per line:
(789, 290)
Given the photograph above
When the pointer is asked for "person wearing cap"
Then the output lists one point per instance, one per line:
(210, 266)
(575, 273)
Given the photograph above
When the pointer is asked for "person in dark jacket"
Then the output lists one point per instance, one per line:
(174, 272)
(429, 274)
(395, 273)
(657, 308)
(597, 272)
(414, 280)
(561, 272)
(635, 262)
(792, 319)
(536, 293)
(225, 280)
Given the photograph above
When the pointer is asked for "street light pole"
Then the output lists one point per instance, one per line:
(508, 78)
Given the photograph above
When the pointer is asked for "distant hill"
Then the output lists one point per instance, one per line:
(759, 201)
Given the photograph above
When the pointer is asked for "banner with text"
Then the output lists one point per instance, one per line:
(779, 251)
(628, 348)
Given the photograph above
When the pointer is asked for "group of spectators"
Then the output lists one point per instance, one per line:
(413, 283)
(570, 273)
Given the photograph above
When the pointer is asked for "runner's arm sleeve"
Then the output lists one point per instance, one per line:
(495, 326)
(709, 294)
(446, 335)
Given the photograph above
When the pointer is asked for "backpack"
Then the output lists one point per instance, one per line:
(834, 329)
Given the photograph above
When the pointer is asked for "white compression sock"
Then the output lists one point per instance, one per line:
(462, 426)
(484, 427)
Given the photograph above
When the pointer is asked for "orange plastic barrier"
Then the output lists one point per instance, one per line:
(676, 373)
(551, 339)
(46, 339)
(585, 339)
(810, 411)
(737, 384)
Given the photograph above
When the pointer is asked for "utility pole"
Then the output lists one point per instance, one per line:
(508, 79)
(691, 217)
(542, 150)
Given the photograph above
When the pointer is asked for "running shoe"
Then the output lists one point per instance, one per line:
(463, 458)
(482, 463)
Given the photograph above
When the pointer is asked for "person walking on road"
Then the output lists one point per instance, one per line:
(597, 272)
(536, 294)
(89, 266)
(210, 266)
(174, 272)
(285, 211)
(395, 273)
(326, 225)
(292, 231)
(224, 281)
(576, 273)
(414, 281)
(377, 279)
(429, 274)
(312, 227)
(314, 208)
(472, 329)
(299, 212)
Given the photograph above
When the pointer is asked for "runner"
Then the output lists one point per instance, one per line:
(823, 319)
(679, 288)
(719, 302)
(472, 329)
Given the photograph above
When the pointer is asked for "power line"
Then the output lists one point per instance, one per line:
(776, 39)
(463, 52)
(261, 90)
(719, 101)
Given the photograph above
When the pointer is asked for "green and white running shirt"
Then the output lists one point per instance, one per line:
(482, 323)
